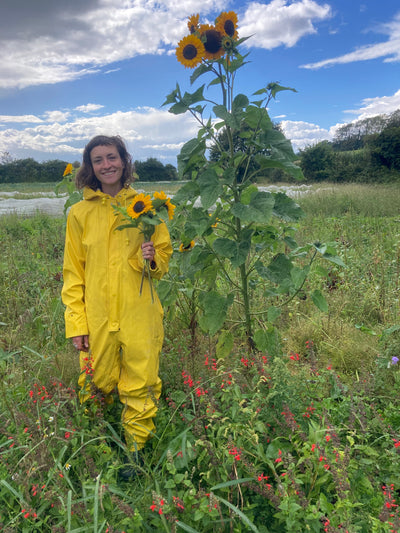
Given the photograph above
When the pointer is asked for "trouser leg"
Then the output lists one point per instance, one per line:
(139, 390)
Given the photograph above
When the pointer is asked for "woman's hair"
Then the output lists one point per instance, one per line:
(85, 176)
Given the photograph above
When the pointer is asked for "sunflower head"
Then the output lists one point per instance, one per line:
(190, 51)
(186, 247)
(193, 23)
(170, 209)
(140, 205)
(226, 24)
(212, 40)
(68, 170)
(160, 195)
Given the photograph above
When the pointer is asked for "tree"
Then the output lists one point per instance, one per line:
(154, 170)
(385, 148)
(316, 161)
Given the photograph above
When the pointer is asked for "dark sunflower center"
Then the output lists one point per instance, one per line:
(188, 246)
(190, 51)
(213, 41)
(138, 207)
(229, 28)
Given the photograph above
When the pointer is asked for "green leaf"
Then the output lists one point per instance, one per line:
(189, 191)
(237, 511)
(286, 208)
(178, 109)
(210, 188)
(199, 71)
(259, 209)
(267, 340)
(319, 300)
(236, 252)
(276, 88)
(273, 313)
(278, 270)
(215, 308)
(240, 102)
(299, 275)
(191, 98)
(224, 344)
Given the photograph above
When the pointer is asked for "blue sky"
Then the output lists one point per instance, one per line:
(71, 70)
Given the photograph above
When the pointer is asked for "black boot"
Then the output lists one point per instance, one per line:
(132, 467)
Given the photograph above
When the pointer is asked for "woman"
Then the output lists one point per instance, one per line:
(118, 331)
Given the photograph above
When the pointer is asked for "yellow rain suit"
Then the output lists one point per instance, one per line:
(102, 274)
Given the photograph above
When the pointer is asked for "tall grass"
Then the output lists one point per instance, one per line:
(305, 442)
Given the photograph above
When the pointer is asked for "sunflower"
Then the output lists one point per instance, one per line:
(68, 170)
(190, 51)
(140, 205)
(212, 40)
(186, 247)
(166, 203)
(226, 24)
(193, 23)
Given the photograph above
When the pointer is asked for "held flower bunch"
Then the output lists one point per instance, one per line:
(145, 213)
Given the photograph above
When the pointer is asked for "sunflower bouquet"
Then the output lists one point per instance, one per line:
(145, 213)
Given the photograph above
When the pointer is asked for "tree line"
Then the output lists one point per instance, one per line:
(30, 171)
(367, 150)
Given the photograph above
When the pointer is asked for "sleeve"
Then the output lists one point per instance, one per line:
(163, 249)
(73, 291)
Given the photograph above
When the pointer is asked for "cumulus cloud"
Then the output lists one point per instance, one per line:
(19, 119)
(88, 108)
(380, 105)
(389, 49)
(149, 132)
(46, 42)
(281, 22)
(303, 134)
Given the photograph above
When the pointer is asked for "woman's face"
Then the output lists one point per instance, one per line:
(108, 168)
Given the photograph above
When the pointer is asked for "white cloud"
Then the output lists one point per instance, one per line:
(149, 132)
(281, 22)
(19, 119)
(303, 134)
(389, 50)
(380, 105)
(88, 108)
(56, 116)
(62, 41)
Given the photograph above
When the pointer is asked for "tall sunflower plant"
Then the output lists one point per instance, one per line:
(145, 213)
(245, 248)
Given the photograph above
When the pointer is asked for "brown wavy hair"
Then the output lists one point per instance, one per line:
(85, 176)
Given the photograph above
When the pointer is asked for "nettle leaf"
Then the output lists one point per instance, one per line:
(210, 188)
(215, 308)
(319, 300)
(286, 208)
(236, 252)
(259, 209)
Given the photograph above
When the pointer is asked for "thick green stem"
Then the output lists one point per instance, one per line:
(246, 304)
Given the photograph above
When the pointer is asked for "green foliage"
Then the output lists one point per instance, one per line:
(154, 170)
(244, 236)
(29, 170)
(249, 442)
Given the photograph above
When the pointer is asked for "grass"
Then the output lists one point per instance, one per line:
(308, 441)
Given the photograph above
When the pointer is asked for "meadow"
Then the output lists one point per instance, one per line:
(306, 440)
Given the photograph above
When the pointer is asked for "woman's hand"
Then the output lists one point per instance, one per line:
(148, 251)
(81, 343)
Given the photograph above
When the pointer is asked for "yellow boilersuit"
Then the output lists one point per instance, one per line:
(102, 274)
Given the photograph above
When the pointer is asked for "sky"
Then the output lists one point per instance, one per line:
(73, 69)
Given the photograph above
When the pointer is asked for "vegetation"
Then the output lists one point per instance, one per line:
(30, 171)
(366, 151)
(306, 440)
